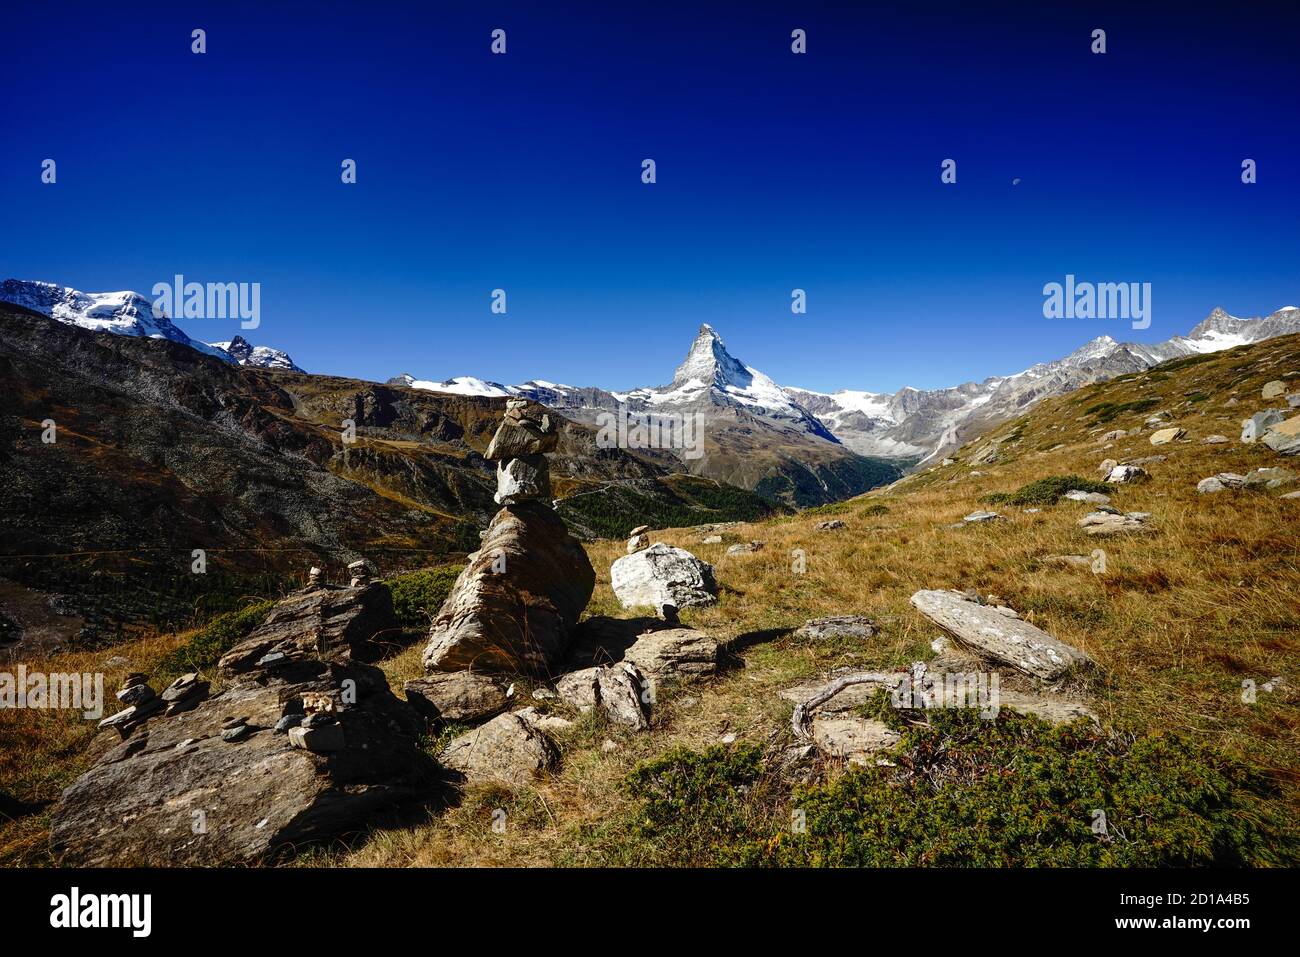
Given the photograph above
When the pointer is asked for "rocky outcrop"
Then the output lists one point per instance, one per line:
(507, 750)
(329, 621)
(995, 635)
(515, 605)
(296, 747)
(660, 576)
(460, 696)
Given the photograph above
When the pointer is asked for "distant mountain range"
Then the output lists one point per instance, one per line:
(788, 443)
(909, 427)
(130, 314)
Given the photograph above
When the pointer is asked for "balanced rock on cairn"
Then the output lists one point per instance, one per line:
(515, 605)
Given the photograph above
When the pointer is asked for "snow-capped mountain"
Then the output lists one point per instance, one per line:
(130, 314)
(246, 354)
(927, 424)
(122, 313)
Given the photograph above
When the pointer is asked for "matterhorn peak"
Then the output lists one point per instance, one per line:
(710, 364)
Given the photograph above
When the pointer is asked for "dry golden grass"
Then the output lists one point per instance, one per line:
(1180, 618)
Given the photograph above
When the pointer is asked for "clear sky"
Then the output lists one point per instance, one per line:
(775, 171)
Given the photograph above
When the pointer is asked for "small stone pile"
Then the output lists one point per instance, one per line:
(184, 693)
(360, 573)
(637, 539)
(141, 701)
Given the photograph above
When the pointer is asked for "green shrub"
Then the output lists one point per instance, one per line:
(417, 596)
(875, 508)
(1046, 491)
(1105, 411)
(964, 791)
(698, 805)
(212, 641)
(1018, 792)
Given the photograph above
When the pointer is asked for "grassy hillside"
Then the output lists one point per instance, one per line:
(1194, 771)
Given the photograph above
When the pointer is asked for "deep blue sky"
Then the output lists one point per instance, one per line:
(775, 171)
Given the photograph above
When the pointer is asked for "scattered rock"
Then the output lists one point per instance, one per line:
(546, 723)
(507, 750)
(461, 696)
(1127, 474)
(981, 517)
(1165, 436)
(837, 626)
(852, 738)
(638, 542)
(1078, 561)
(743, 548)
(580, 689)
(331, 622)
(1273, 389)
(1214, 440)
(1103, 524)
(621, 690)
(662, 575)
(1207, 486)
(1114, 436)
(711, 540)
(1010, 640)
(830, 525)
(674, 653)
(1267, 478)
(1096, 498)
(1284, 438)
(1257, 425)
(1106, 466)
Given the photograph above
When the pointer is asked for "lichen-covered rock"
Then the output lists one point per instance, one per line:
(515, 605)
(994, 635)
(837, 626)
(663, 575)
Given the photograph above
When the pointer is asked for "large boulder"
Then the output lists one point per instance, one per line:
(515, 605)
(997, 636)
(222, 783)
(662, 575)
(507, 750)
